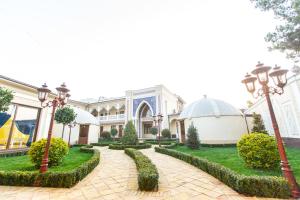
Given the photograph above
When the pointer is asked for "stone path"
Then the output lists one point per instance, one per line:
(116, 178)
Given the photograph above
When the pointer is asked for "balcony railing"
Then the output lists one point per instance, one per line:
(112, 117)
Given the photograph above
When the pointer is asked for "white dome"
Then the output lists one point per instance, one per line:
(208, 107)
(84, 117)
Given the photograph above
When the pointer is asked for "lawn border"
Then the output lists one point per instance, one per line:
(261, 186)
(52, 179)
(124, 146)
(147, 172)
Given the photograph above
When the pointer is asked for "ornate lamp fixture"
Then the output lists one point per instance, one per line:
(59, 101)
(279, 78)
(157, 121)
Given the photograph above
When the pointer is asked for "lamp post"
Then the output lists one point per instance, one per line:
(279, 78)
(157, 121)
(71, 125)
(59, 101)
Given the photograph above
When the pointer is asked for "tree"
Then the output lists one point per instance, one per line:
(166, 133)
(192, 138)
(153, 130)
(129, 136)
(65, 115)
(286, 36)
(258, 124)
(6, 96)
(113, 132)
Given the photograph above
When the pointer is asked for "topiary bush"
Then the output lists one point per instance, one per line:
(192, 138)
(129, 137)
(105, 135)
(259, 150)
(57, 151)
(166, 133)
(113, 132)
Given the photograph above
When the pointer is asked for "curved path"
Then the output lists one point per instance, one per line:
(116, 178)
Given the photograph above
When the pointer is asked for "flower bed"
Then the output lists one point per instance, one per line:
(147, 172)
(262, 186)
(62, 179)
(122, 146)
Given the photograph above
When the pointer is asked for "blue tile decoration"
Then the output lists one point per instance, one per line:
(150, 100)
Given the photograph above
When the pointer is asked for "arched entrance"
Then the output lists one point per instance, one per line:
(144, 121)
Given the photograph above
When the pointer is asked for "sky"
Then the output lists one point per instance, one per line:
(105, 47)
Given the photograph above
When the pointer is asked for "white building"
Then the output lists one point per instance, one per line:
(286, 108)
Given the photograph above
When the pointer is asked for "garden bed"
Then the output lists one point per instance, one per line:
(262, 186)
(19, 171)
(122, 146)
(147, 173)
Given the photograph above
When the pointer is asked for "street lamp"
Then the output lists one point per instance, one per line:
(157, 121)
(59, 101)
(279, 78)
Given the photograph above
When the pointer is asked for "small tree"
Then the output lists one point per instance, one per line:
(64, 116)
(113, 132)
(129, 136)
(192, 138)
(258, 124)
(106, 135)
(6, 96)
(153, 130)
(166, 133)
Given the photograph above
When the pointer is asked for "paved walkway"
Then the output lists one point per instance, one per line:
(116, 178)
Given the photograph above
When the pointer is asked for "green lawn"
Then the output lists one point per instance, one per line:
(22, 163)
(228, 156)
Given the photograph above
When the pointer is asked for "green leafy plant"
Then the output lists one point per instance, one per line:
(192, 138)
(258, 124)
(166, 133)
(105, 135)
(65, 115)
(153, 130)
(259, 151)
(261, 186)
(6, 96)
(57, 151)
(129, 136)
(147, 173)
(113, 132)
(124, 146)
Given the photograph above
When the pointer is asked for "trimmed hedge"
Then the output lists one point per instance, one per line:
(162, 142)
(14, 153)
(122, 146)
(261, 186)
(103, 144)
(147, 172)
(52, 179)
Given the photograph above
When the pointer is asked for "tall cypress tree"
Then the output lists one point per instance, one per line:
(192, 138)
(258, 124)
(130, 136)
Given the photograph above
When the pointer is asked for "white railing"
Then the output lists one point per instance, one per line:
(112, 117)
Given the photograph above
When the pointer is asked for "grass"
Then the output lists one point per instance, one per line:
(22, 163)
(228, 157)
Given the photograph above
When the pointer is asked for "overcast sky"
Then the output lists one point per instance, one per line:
(105, 47)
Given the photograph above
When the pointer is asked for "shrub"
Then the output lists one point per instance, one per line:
(192, 138)
(258, 124)
(166, 133)
(105, 135)
(57, 151)
(124, 146)
(129, 136)
(261, 186)
(147, 173)
(259, 151)
(153, 130)
(6, 96)
(65, 179)
(113, 132)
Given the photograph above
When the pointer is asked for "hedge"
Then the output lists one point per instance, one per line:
(103, 144)
(122, 146)
(147, 172)
(14, 153)
(261, 186)
(52, 179)
(162, 142)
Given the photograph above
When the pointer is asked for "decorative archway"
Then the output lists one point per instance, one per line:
(144, 120)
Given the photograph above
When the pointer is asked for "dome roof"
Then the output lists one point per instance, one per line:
(208, 107)
(84, 117)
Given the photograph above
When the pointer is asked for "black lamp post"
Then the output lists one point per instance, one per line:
(157, 122)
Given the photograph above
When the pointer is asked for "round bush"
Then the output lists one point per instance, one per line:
(166, 133)
(259, 150)
(57, 151)
(105, 135)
